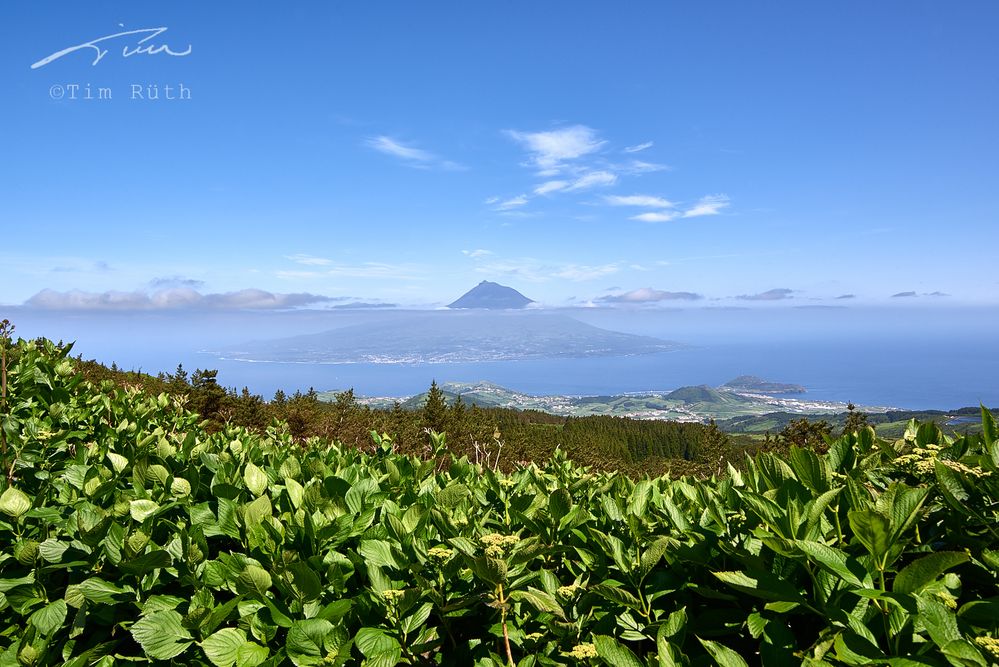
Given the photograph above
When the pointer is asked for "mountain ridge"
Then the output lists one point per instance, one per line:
(491, 296)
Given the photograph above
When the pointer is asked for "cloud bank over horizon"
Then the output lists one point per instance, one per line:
(649, 295)
(176, 298)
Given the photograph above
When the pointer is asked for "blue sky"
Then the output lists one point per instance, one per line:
(581, 152)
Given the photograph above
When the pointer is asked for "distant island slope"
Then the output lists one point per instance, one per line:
(452, 336)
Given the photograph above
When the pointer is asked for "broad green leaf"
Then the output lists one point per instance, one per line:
(652, 555)
(256, 511)
(161, 635)
(949, 483)
(180, 487)
(540, 600)
(989, 431)
(142, 509)
(52, 550)
(451, 495)
(374, 641)
(962, 652)
(255, 479)
(614, 653)
(377, 553)
(559, 503)
(14, 502)
(161, 603)
(905, 508)
(26, 551)
(306, 582)
(920, 573)
(414, 621)
(223, 646)
(251, 654)
(306, 639)
(10, 584)
(873, 530)
(833, 560)
(762, 585)
(723, 655)
(639, 500)
(99, 591)
(940, 622)
(277, 614)
(290, 468)
(254, 579)
(811, 470)
(147, 562)
(118, 462)
(618, 595)
(50, 618)
(611, 508)
(855, 649)
(675, 624)
(296, 493)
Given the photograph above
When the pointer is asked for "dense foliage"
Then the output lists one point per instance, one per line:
(509, 436)
(132, 532)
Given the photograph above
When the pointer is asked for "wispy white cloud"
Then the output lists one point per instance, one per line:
(571, 159)
(477, 253)
(410, 155)
(656, 216)
(587, 180)
(638, 147)
(390, 146)
(709, 205)
(309, 260)
(592, 180)
(551, 186)
(644, 201)
(640, 167)
(513, 202)
(550, 150)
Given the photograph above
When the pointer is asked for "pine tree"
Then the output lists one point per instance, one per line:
(435, 410)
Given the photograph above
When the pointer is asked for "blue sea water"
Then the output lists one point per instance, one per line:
(943, 360)
(916, 375)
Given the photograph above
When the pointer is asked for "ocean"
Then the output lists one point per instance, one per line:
(916, 359)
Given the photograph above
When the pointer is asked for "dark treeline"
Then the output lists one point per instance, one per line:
(497, 436)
